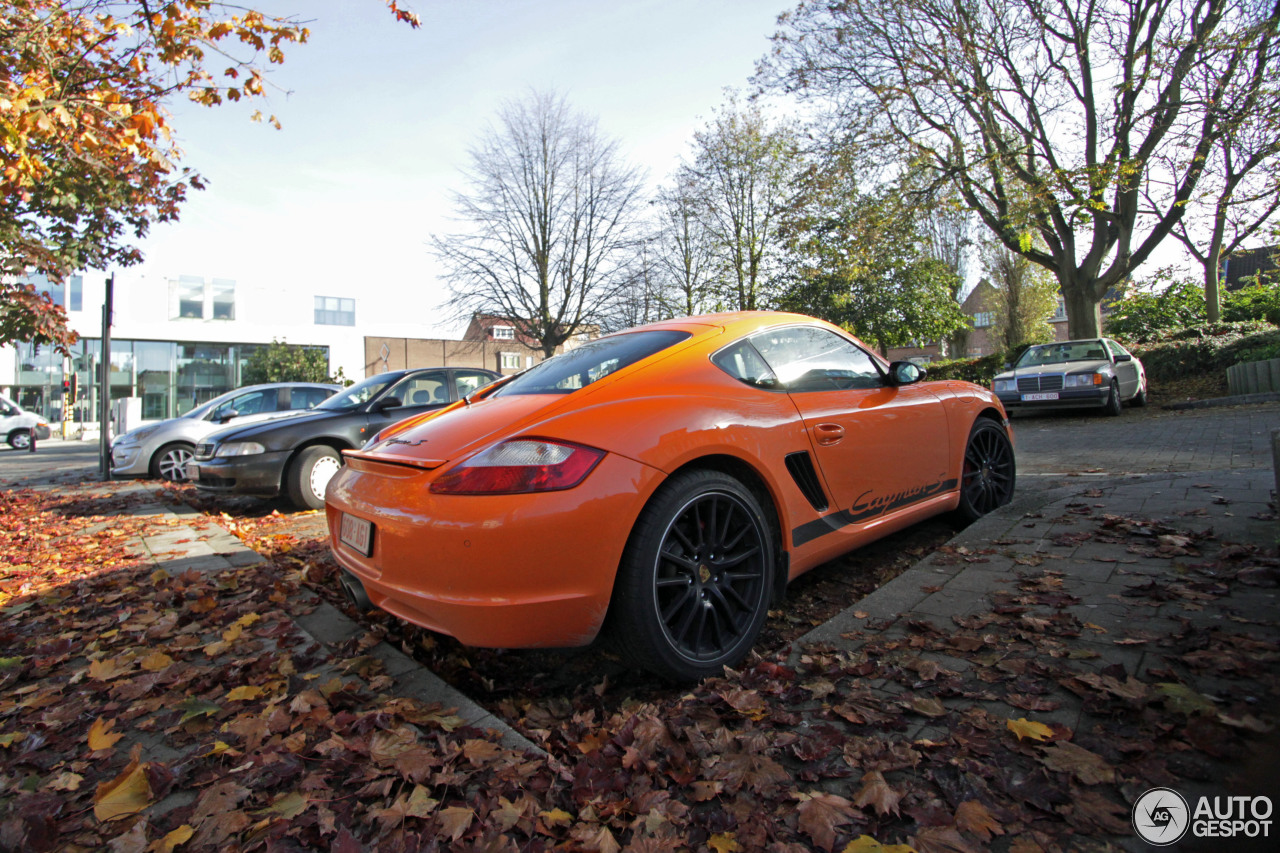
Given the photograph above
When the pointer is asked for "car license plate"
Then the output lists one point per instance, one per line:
(358, 533)
(1047, 395)
(193, 471)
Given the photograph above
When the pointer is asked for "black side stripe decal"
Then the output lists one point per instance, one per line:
(863, 509)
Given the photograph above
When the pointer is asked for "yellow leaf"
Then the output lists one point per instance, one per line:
(233, 633)
(248, 619)
(125, 795)
(66, 781)
(105, 670)
(556, 817)
(156, 661)
(248, 691)
(288, 806)
(181, 835)
(220, 747)
(101, 736)
(1022, 727)
(8, 739)
(723, 842)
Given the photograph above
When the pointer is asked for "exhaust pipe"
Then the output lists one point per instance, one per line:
(354, 591)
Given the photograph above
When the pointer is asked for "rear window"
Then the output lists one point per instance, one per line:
(590, 362)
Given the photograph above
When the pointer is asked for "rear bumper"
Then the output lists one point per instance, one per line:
(511, 571)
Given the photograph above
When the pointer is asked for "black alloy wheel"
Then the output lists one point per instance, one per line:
(694, 586)
(989, 471)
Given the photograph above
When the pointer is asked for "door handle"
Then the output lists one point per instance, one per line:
(828, 434)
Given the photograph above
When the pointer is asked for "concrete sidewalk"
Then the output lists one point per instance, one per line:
(1144, 589)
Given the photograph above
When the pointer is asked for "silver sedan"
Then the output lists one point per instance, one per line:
(162, 450)
(1096, 373)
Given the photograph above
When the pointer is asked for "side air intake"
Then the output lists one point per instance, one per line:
(801, 468)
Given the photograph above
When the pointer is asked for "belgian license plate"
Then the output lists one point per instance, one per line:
(193, 471)
(1047, 395)
(358, 533)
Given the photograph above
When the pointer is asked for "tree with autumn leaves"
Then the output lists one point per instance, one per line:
(87, 156)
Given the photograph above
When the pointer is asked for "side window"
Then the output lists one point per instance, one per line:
(742, 362)
(465, 383)
(423, 389)
(1115, 348)
(806, 358)
(253, 403)
(306, 398)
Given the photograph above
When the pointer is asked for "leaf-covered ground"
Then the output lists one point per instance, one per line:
(146, 710)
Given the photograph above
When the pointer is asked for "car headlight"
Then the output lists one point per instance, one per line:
(1083, 380)
(240, 448)
(1006, 386)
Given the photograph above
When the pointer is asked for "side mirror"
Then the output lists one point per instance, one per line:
(1120, 359)
(227, 415)
(905, 372)
(386, 403)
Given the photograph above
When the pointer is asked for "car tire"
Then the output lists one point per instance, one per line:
(170, 462)
(1113, 406)
(988, 472)
(687, 604)
(19, 439)
(310, 474)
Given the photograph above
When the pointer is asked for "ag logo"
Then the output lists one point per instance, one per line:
(1161, 817)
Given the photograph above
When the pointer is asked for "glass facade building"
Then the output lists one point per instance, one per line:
(171, 377)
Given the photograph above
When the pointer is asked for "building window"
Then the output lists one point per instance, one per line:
(983, 318)
(503, 333)
(332, 311)
(75, 293)
(224, 299)
(1060, 314)
(194, 298)
(510, 361)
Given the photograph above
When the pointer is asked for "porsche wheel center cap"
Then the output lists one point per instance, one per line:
(704, 573)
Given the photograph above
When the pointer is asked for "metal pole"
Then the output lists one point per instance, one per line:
(104, 440)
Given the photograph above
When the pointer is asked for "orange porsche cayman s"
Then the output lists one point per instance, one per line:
(661, 484)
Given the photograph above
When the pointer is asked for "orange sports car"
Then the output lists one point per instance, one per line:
(662, 484)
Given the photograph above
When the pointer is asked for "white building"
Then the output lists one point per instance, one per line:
(178, 341)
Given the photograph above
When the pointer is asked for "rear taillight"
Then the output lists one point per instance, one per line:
(520, 466)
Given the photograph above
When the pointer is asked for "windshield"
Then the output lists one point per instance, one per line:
(590, 362)
(358, 394)
(1058, 353)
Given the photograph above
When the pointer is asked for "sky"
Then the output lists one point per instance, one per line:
(378, 119)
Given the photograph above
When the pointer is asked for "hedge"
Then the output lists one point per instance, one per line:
(1208, 349)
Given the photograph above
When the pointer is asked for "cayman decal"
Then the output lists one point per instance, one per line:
(866, 506)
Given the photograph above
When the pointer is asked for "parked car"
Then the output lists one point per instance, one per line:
(17, 425)
(1093, 373)
(663, 483)
(162, 450)
(296, 457)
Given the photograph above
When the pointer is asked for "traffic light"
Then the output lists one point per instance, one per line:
(69, 387)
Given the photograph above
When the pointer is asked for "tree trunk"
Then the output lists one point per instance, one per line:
(1084, 311)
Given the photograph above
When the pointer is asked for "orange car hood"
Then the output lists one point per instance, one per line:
(440, 438)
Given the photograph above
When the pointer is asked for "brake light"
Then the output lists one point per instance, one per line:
(520, 466)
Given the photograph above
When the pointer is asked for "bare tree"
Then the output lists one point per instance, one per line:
(685, 248)
(1049, 117)
(550, 209)
(1239, 196)
(744, 175)
(1026, 296)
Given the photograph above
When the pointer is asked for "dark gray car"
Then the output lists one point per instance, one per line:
(297, 456)
(1094, 373)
